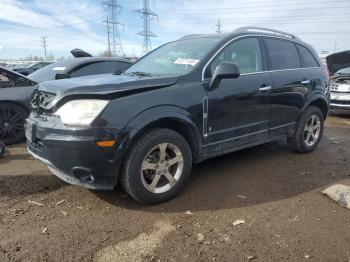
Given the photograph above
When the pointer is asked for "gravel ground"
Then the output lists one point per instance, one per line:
(260, 204)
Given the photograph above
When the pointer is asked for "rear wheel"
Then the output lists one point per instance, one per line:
(309, 131)
(12, 119)
(157, 166)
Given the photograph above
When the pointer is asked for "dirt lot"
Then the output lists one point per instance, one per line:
(276, 192)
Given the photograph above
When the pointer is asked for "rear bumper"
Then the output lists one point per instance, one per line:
(73, 156)
(340, 100)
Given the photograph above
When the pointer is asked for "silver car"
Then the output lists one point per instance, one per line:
(339, 68)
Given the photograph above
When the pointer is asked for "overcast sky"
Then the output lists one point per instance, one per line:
(70, 24)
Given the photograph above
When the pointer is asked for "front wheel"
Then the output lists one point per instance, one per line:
(157, 166)
(12, 118)
(309, 131)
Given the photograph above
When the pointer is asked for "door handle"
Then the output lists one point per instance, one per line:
(305, 82)
(265, 88)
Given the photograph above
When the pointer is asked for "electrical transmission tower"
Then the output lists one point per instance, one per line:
(147, 15)
(218, 27)
(111, 25)
(44, 45)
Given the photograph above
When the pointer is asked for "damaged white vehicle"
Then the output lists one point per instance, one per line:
(339, 68)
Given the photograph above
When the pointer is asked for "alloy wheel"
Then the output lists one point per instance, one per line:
(312, 130)
(162, 168)
(11, 124)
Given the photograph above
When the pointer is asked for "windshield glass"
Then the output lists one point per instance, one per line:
(30, 65)
(175, 58)
(49, 72)
(344, 71)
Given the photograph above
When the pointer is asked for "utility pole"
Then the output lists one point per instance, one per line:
(147, 15)
(44, 45)
(111, 25)
(218, 26)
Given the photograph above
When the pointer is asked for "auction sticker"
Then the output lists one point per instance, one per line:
(186, 61)
(58, 68)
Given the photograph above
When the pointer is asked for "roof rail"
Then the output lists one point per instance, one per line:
(187, 36)
(263, 29)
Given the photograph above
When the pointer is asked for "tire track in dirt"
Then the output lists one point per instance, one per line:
(135, 250)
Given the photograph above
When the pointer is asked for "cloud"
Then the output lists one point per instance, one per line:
(18, 12)
(70, 24)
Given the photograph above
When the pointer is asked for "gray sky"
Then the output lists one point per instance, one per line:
(68, 24)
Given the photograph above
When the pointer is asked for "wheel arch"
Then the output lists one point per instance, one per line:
(319, 102)
(170, 117)
(23, 106)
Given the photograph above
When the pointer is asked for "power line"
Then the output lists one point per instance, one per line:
(44, 45)
(111, 25)
(147, 15)
(218, 26)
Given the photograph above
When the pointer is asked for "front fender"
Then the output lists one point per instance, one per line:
(151, 115)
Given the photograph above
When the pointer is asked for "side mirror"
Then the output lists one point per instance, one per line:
(225, 70)
(62, 76)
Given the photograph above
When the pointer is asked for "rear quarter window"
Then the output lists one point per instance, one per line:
(283, 54)
(307, 59)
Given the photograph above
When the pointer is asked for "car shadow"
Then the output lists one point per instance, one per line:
(15, 186)
(8, 157)
(253, 176)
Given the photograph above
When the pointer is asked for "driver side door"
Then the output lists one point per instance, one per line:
(239, 109)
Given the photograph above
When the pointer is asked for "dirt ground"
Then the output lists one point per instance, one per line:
(274, 191)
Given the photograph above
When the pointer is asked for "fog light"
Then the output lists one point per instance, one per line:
(83, 174)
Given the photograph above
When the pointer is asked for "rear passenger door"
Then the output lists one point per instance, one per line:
(291, 83)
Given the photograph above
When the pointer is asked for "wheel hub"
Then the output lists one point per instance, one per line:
(7, 125)
(161, 168)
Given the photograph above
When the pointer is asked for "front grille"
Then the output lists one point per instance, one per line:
(340, 102)
(41, 100)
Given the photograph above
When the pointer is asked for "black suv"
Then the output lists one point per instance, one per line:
(195, 98)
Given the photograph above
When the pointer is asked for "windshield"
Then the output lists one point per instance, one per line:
(174, 58)
(344, 71)
(30, 65)
(49, 72)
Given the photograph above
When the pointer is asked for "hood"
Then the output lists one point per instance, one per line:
(338, 61)
(107, 84)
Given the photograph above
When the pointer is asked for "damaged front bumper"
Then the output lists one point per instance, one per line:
(73, 155)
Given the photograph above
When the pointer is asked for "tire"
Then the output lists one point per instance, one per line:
(12, 118)
(137, 179)
(299, 142)
(2, 149)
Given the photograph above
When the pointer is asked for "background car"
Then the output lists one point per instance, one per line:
(31, 68)
(16, 90)
(15, 94)
(339, 68)
(81, 66)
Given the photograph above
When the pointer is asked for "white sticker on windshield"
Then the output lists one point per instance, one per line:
(58, 68)
(186, 61)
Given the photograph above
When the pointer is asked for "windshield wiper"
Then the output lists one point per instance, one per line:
(139, 73)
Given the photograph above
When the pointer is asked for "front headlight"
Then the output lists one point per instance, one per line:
(81, 112)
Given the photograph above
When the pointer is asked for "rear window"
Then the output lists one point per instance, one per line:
(283, 54)
(307, 59)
